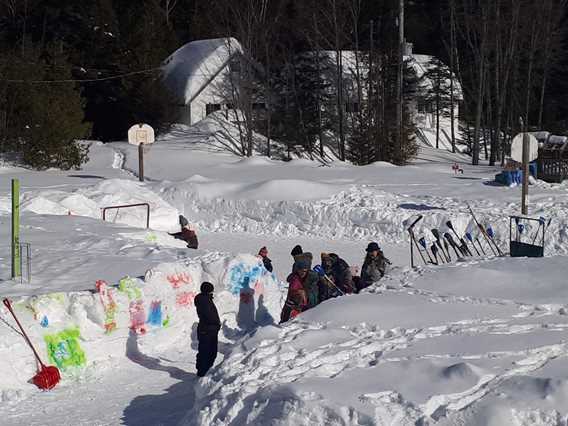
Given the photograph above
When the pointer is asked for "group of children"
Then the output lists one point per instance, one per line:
(309, 287)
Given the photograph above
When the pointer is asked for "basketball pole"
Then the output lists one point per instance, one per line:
(15, 228)
(141, 162)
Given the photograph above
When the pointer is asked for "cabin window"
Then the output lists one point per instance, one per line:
(210, 108)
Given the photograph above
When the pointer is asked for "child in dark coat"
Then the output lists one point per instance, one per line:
(207, 329)
(374, 266)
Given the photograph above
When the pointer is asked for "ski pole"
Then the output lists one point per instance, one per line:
(491, 236)
(417, 247)
(480, 246)
(333, 285)
(447, 247)
(436, 235)
(434, 250)
(482, 229)
(464, 248)
(449, 238)
(410, 230)
(422, 242)
(470, 238)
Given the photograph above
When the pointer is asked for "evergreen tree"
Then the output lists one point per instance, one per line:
(44, 121)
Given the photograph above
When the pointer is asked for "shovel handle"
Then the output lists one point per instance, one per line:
(9, 307)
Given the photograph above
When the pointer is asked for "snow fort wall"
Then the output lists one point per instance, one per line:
(79, 331)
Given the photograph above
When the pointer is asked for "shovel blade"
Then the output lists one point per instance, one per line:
(47, 378)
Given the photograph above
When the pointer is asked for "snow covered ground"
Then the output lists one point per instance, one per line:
(475, 342)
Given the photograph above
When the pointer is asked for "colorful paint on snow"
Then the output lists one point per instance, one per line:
(128, 286)
(241, 275)
(44, 322)
(155, 315)
(109, 306)
(137, 316)
(185, 299)
(166, 321)
(64, 350)
(177, 280)
(151, 237)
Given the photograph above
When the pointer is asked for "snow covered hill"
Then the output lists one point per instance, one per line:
(475, 342)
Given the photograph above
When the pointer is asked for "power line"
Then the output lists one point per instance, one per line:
(87, 80)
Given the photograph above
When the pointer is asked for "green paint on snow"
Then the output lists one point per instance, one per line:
(128, 286)
(64, 350)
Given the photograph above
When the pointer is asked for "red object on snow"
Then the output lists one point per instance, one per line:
(48, 376)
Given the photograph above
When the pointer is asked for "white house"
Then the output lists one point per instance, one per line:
(204, 76)
(199, 76)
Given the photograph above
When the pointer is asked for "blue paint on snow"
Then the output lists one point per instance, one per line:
(155, 315)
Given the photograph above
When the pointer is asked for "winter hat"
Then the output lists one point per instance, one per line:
(183, 221)
(297, 250)
(373, 247)
(206, 287)
(301, 264)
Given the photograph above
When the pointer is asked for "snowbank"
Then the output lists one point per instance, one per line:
(89, 201)
(83, 331)
(426, 346)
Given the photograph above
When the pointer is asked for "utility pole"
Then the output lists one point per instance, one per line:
(399, 78)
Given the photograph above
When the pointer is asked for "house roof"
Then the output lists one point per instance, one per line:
(193, 66)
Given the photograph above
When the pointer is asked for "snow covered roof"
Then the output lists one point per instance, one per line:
(190, 68)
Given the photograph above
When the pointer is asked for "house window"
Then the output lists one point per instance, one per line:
(258, 106)
(210, 108)
(352, 107)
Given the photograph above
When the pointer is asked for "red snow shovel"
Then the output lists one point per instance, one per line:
(48, 377)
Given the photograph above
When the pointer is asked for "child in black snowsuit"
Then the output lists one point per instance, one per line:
(207, 329)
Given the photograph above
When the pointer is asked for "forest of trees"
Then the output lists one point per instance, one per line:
(73, 70)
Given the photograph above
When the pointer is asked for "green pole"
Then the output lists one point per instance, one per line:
(15, 228)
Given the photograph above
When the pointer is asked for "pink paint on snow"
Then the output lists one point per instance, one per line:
(185, 298)
(137, 317)
(177, 280)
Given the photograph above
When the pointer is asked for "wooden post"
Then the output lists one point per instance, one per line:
(15, 228)
(525, 189)
(141, 162)
(525, 192)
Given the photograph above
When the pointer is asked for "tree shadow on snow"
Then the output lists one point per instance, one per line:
(420, 207)
(168, 408)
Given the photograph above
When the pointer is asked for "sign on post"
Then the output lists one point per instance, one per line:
(524, 149)
(141, 134)
(517, 148)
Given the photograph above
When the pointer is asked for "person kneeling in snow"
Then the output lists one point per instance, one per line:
(296, 301)
(207, 329)
(186, 234)
(263, 253)
(338, 271)
(374, 266)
